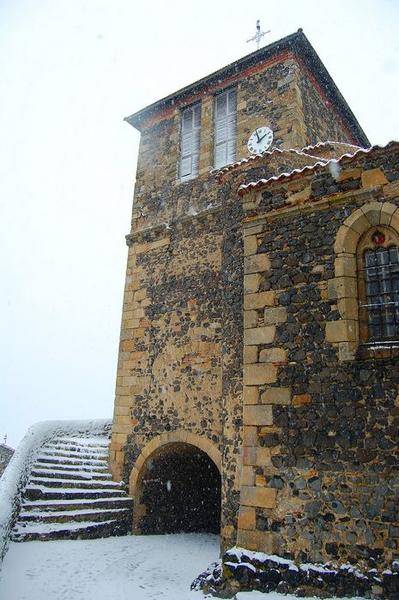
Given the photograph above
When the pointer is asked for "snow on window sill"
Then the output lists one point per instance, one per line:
(378, 350)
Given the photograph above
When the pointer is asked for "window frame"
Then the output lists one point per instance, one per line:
(343, 333)
(367, 243)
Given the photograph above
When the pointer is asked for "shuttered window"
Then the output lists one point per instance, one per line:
(190, 141)
(225, 128)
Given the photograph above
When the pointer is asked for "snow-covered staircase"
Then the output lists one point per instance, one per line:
(70, 493)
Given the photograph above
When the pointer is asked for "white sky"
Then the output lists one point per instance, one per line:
(70, 70)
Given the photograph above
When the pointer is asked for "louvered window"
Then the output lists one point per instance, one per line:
(190, 141)
(225, 128)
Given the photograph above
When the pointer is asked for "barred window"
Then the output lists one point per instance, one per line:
(379, 302)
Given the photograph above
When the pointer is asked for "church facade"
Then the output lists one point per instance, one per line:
(257, 377)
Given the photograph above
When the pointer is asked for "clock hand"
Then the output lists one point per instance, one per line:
(257, 135)
(263, 136)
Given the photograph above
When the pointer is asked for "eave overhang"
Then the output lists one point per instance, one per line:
(297, 44)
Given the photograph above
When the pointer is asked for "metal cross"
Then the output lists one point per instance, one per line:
(258, 35)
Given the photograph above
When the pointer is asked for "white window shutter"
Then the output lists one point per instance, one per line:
(225, 128)
(196, 138)
(185, 167)
(190, 141)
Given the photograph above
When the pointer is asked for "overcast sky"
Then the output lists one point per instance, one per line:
(70, 70)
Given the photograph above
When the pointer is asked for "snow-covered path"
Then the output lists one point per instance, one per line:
(121, 568)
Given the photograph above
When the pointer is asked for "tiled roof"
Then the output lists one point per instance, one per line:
(257, 157)
(345, 158)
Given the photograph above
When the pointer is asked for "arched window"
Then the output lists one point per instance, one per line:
(366, 284)
(378, 285)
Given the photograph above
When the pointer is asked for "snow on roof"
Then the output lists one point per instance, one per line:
(6, 447)
(268, 153)
(347, 157)
(329, 143)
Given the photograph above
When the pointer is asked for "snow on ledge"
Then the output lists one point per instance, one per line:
(16, 475)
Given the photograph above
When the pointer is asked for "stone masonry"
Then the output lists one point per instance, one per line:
(320, 422)
(232, 285)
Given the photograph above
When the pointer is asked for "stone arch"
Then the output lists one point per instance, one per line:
(154, 449)
(344, 333)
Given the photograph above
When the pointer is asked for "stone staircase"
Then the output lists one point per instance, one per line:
(70, 494)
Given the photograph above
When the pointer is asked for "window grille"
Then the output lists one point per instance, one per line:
(225, 128)
(380, 311)
(190, 141)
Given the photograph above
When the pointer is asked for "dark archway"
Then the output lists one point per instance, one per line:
(181, 491)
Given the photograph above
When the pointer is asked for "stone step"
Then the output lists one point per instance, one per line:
(51, 460)
(75, 447)
(69, 531)
(59, 505)
(71, 494)
(93, 442)
(75, 451)
(38, 516)
(51, 482)
(65, 474)
(45, 492)
(62, 467)
(83, 455)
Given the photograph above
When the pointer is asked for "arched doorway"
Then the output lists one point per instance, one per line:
(178, 490)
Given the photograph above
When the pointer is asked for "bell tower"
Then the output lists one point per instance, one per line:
(180, 368)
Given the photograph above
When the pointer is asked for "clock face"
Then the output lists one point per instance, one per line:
(260, 140)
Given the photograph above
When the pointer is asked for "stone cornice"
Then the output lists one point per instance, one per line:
(371, 194)
(156, 231)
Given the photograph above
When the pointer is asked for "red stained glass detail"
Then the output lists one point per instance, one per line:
(378, 238)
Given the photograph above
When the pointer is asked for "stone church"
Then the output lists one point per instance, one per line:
(257, 382)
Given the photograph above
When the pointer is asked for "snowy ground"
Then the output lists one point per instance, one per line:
(122, 568)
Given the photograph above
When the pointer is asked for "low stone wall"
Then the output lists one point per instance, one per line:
(243, 570)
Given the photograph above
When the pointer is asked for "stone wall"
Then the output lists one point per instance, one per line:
(320, 454)
(321, 123)
(180, 359)
(179, 365)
